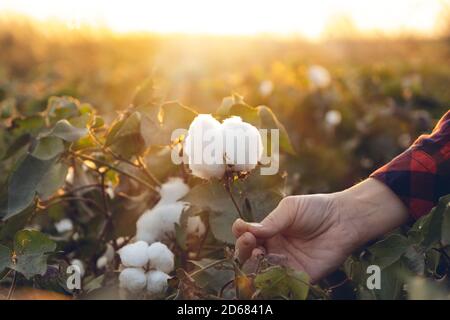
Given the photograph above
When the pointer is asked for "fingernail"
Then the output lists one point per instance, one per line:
(256, 225)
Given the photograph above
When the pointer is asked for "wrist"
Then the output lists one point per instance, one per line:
(371, 209)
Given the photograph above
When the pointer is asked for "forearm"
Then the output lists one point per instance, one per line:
(372, 209)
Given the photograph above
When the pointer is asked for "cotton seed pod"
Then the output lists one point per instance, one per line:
(133, 279)
(134, 254)
(157, 283)
(205, 162)
(160, 257)
(243, 144)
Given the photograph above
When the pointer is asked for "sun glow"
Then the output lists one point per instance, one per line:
(286, 17)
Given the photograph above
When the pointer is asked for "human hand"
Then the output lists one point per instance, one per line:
(316, 233)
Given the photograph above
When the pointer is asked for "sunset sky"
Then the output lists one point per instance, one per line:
(284, 17)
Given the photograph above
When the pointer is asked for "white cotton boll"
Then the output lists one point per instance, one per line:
(133, 279)
(333, 118)
(157, 282)
(64, 225)
(266, 88)
(160, 257)
(203, 147)
(134, 254)
(243, 144)
(157, 223)
(171, 191)
(319, 76)
(78, 263)
(195, 226)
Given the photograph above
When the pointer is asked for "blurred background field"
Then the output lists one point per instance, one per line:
(350, 102)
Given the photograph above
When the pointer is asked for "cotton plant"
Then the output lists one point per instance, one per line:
(148, 262)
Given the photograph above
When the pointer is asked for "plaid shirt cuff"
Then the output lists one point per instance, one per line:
(421, 175)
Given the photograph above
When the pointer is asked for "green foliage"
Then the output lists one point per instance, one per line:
(419, 256)
(281, 282)
(29, 255)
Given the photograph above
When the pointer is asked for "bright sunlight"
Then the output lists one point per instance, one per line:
(285, 17)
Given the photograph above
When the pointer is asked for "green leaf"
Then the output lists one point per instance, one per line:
(30, 250)
(278, 281)
(433, 232)
(94, 284)
(389, 250)
(48, 148)
(247, 113)
(256, 197)
(144, 94)
(5, 257)
(17, 145)
(124, 137)
(31, 125)
(23, 183)
(227, 103)
(63, 107)
(393, 279)
(270, 121)
(53, 180)
(66, 131)
(173, 116)
(213, 196)
(445, 237)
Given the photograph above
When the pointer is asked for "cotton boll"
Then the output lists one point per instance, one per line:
(319, 76)
(64, 225)
(203, 147)
(133, 279)
(243, 144)
(157, 223)
(333, 118)
(195, 226)
(160, 257)
(171, 191)
(266, 88)
(78, 263)
(134, 254)
(157, 282)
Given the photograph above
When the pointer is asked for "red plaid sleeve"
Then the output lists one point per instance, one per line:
(421, 175)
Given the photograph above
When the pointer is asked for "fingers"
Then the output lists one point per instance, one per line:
(245, 245)
(278, 220)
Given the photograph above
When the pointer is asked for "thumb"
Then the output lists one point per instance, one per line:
(277, 221)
